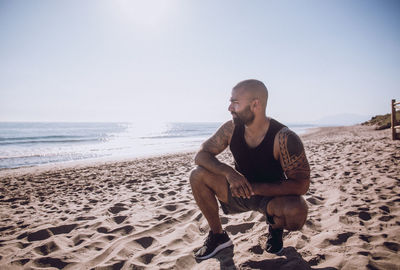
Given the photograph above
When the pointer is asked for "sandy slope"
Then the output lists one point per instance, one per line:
(141, 213)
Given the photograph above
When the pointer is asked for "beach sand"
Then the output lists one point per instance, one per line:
(140, 214)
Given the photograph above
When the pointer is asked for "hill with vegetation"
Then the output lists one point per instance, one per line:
(382, 121)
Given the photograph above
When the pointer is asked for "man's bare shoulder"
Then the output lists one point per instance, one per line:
(290, 141)
(292, 155)
(227, 130)
(220, 140)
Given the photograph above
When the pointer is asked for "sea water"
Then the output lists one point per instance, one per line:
(30, 144)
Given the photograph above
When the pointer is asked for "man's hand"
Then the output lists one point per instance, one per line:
(239, 185)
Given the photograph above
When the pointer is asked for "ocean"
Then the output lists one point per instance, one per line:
(32, 144)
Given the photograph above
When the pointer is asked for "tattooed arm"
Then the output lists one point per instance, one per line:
(212, 147)
(290, 151)
(205, 158)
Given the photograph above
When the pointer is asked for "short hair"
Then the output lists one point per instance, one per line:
(256, 87)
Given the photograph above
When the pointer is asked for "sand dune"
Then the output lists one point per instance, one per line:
(140, 214)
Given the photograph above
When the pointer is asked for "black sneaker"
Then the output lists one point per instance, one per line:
(213, 244)
(275, 241)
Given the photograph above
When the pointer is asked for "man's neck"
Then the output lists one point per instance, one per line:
(258, 127)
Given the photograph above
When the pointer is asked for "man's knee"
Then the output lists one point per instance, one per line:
(202, 179)
(196, 175)
(296, 214)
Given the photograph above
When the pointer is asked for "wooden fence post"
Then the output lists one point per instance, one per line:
(393, 120)
(395, 126)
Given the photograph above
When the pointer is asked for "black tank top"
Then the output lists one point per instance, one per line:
(257, 164)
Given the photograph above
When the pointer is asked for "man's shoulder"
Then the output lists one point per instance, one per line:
(289, 140)
(226, 130)
(229, 124)
(220, 140)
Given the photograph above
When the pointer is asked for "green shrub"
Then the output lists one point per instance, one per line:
(382, 121)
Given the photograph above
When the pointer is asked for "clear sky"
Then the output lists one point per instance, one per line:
(178, 60)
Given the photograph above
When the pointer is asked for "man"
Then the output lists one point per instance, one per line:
(270, 175)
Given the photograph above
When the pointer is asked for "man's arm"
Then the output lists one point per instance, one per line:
(294, 164)
(206, 157)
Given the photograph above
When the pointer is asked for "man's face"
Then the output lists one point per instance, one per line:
(240, 108)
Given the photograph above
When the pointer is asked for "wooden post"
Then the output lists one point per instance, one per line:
(394, 135)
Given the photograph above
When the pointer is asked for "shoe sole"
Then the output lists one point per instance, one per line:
(220, 247)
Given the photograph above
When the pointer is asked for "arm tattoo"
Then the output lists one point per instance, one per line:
(220, 140)
(293, 158)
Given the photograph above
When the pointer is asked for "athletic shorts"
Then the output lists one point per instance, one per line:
(237, 205)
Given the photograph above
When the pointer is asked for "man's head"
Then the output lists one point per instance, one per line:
(248, 101)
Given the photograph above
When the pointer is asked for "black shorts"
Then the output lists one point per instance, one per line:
(237, 205)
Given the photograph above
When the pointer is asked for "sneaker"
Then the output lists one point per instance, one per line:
(275, 241)
(213, 244)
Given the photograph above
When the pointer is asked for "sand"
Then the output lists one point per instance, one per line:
(140, 214)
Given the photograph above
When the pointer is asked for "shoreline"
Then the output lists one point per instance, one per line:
(141, 214)
(90, 162)
(122, 150)
(93, 162)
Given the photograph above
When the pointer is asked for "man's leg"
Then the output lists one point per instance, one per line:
(288, 212)
(205, 186)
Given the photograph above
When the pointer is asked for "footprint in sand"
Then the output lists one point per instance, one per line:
(316, 260)
(341, 238)
(160, 217)
(6, 228)
(392, 246)
(64, 229)
(123, 230)
(79, 239)
(224, 220)
(19, 262)
(47, 248)
(147, 258)
(242, 228)
(257, 249)
(117, 265)
(170, 207)
(38, 236)
(386, 218)
(364, 253)
(365, 238)
(50, 262)
(364, 215)
(167, 252)
(85, 218)
(145, 242)
(119, 219)
(117, 208)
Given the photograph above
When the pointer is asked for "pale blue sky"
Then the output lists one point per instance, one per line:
(177, 60)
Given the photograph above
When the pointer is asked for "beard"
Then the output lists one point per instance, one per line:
(246, 117)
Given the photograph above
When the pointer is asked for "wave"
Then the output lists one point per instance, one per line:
(48, 139)
(36, 137)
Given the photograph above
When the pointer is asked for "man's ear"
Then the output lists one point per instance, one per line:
(255, 104)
